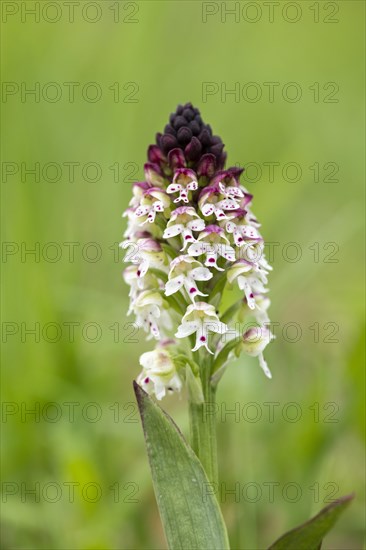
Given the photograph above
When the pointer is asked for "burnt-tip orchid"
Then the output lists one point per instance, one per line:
(193, 242)
(190, 234)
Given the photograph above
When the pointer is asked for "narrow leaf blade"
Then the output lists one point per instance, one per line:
(309, 535)
(190, 513)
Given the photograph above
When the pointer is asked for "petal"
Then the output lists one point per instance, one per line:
(234, 192)
(192, 185)
(264, 366)
(187, 238)
(211, 261)
(154, 329)
(142, 210)
(173, 230)
(230, 227)
(196, 249)
(217, 326)
(174, 188)
(146, 359)
(186, 329)
(207, 209)
(244, 285)
(220, 214)
(228, 204)
(143, 267)
(158, 206)
(227, 252)
(239, 241)
(250, 232)
(174, 285)
(201, 339)
(201, 274)
(196, 225)
(192, 289)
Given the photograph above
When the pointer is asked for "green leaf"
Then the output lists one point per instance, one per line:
(309, 535)
(189, 511)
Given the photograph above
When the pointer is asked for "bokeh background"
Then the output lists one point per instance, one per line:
(295, 442)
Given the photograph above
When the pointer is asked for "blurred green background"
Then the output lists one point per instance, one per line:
(82, 451)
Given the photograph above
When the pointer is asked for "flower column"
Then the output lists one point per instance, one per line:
(190, 233)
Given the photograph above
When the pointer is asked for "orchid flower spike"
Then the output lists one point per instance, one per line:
(190, 233)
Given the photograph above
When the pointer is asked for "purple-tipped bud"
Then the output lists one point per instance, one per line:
(186, 131)
(176, 159)
(168, 142)
(193, 149)
(184, 135)
(155, 155)
(207, 165)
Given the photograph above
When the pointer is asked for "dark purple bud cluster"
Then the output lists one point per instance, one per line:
(187, 133)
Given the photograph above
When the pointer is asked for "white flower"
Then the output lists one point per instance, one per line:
(248, 278)
(153, 174)
(183, 221)
(153, 200)
(202, 319)
(138, 190)
(184, 180)
(254, 342)
(217, 199)
(241, 230)
(136, 283)
(159, 374)
(148, 308)
(184, 272)
(262, 303)
(146, 253)
(213, 243)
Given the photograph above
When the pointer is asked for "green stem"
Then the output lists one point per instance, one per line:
(203, 424)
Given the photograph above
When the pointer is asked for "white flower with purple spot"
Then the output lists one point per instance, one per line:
(183, 221)
(212, 201)
(200, 318)
(184, 180)
(153, 201)
(146, 253)
(213, 242)
(184, 273)
(137, 284)
(149, 310)
(138, 190)
(248, 280)
(159, 374)
(242, 232)
(153, 174)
